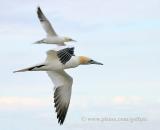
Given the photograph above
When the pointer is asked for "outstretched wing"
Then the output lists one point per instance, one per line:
(63, 86)
(51, 55)
(64, 55)
(45, 23)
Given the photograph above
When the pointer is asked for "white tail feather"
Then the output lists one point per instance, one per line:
(39, 42)
(33, 68)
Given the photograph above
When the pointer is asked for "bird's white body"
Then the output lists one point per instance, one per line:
(55, 64)
(52, 63)
(55, 40)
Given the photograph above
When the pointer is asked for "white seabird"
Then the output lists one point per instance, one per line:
(55, 64)
(52, 37)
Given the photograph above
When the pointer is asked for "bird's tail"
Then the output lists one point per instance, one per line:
(33, 68)
(39, 42)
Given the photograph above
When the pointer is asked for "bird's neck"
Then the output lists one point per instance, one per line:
(83, 60)
(73, 62)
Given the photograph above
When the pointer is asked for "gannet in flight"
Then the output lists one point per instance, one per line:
(52, 37)
(55, 64)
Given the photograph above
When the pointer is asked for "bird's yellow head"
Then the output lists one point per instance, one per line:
(85, 61)
(68, 39)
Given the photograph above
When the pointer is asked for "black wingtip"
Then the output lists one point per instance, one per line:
(39, 10)
(61, 115)
(61, 109)
(65, 54)
(72, 50)
(40, 14)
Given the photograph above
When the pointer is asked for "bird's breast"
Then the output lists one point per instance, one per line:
(72, 63)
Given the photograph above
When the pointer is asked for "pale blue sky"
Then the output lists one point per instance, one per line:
(122, 34)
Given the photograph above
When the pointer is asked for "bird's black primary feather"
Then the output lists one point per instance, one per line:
(40, 15)
(61, 108)
(65, 55)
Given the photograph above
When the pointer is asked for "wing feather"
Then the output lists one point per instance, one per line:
(45, 23)
(64, 55)
(63, 86)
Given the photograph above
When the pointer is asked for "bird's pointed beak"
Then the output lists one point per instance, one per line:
(95, 62)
